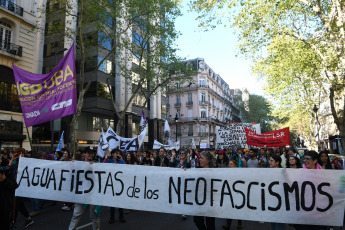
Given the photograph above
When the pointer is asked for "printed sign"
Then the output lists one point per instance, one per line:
(234, 135)
(295, 196)
(276, 138)
(47, 97)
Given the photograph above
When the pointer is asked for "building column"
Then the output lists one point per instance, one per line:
(128, 125)
(153, 127)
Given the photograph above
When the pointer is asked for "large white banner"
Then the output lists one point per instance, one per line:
(234, 135)
(297, 196)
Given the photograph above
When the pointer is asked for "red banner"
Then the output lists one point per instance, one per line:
(277, 138)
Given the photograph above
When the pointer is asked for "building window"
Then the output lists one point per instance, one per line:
(203, 97)
(202, 82)
(190, 130)
(9, 100)
(203, 113)
(5, 35)
(178, 99)
(106, 66)
(190, 98)
(190, 114)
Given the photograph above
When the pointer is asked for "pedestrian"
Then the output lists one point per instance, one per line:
(310, 162)
(222, 159)
(79, 209)
(145, 159)
(275, 162)
(252, 162)
(116, 158)
(232, 164)
(293, 162)
(323, 160)
(207, 160)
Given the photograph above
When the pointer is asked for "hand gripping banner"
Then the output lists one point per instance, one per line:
(47, 97)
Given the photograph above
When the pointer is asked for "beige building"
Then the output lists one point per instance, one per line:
(194, 109)
(21, 45)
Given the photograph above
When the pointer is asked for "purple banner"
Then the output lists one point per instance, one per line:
(47, 97)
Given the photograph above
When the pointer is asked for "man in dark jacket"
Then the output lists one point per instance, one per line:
(7, 188)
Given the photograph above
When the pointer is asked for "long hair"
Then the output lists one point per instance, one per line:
(210, 158)
(298, 162)
(328, 164)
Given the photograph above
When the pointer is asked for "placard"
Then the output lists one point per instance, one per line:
(295, 196)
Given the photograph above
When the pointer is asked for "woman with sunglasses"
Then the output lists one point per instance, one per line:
(310, 162)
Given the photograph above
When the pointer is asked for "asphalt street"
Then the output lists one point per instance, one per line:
(53, 218)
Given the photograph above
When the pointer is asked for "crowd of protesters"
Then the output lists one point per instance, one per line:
(184, 159)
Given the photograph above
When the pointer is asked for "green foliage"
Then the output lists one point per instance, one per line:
(297, 47)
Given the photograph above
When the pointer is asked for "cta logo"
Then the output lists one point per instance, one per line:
(62, 104)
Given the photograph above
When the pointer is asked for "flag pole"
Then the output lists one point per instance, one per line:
(27, 130)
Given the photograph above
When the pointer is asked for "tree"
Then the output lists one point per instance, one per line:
(310, 32)
(123, 29)
(255, 109)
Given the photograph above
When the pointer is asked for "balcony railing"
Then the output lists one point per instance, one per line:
(178, 104)
(12, 7)
(189, 103)
(203, 103)
(11, 48)
(203, 134)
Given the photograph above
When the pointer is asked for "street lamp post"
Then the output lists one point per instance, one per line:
(315, 109)
(176, 119)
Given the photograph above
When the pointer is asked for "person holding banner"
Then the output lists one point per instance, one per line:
(275, 162)
(79, 209)
(207, 160)
(145, 159)
(116, 158)
(310, 162)
(7, 187)
(323, 160)
(232, 164)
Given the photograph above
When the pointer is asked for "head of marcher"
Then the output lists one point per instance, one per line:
(207, 159)
(275, 161)
(310, 160)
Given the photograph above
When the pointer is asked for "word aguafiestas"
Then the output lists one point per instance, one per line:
(87, 181)
(239, 194)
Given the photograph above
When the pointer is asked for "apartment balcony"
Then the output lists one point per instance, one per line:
(203, 86)
(203, 119)
(8, 5)
(11, 48)
(203, 134)
(189, 103)
(178, 104)
(205, 103)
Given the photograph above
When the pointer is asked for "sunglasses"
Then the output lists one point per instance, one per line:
(308, 158)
